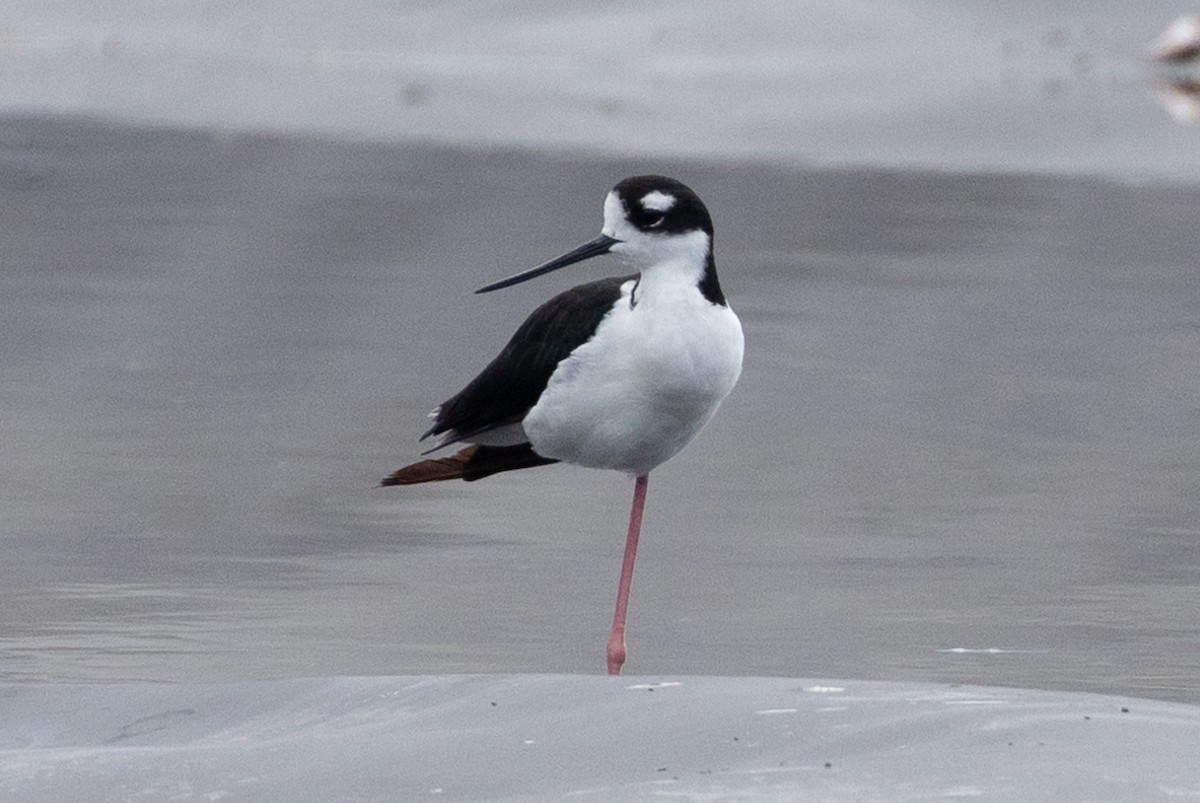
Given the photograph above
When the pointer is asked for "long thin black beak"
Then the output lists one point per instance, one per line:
(598, 246)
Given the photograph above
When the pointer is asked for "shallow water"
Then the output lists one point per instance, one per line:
(964, 447)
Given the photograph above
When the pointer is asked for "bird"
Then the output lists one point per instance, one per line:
(618, 373)
(1179, 43)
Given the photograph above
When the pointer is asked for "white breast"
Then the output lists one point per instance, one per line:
(652, 375)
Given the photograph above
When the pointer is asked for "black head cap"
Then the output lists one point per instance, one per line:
(661, 204)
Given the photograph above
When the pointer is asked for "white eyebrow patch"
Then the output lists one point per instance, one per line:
(657, 201)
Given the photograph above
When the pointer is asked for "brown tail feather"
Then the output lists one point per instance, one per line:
(470, 464)
(434, 470)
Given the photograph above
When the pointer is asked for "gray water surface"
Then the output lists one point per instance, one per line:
(964, 447)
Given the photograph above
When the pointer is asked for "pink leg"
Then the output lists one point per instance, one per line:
(616, 641)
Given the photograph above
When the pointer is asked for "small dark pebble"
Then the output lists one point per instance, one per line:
(413, 94)
(661, 769)
(828, 765)
(1124, 710)
(1085, 716)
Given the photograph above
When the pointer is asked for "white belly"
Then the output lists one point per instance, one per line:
(642, 387)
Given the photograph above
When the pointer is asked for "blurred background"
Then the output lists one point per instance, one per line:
(239, 247)
(1061, 86)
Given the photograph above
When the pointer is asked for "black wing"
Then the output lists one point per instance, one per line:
(510, 385)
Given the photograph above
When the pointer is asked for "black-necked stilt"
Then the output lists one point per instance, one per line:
(619, 373)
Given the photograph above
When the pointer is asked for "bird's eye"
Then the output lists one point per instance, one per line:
(653, 219)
